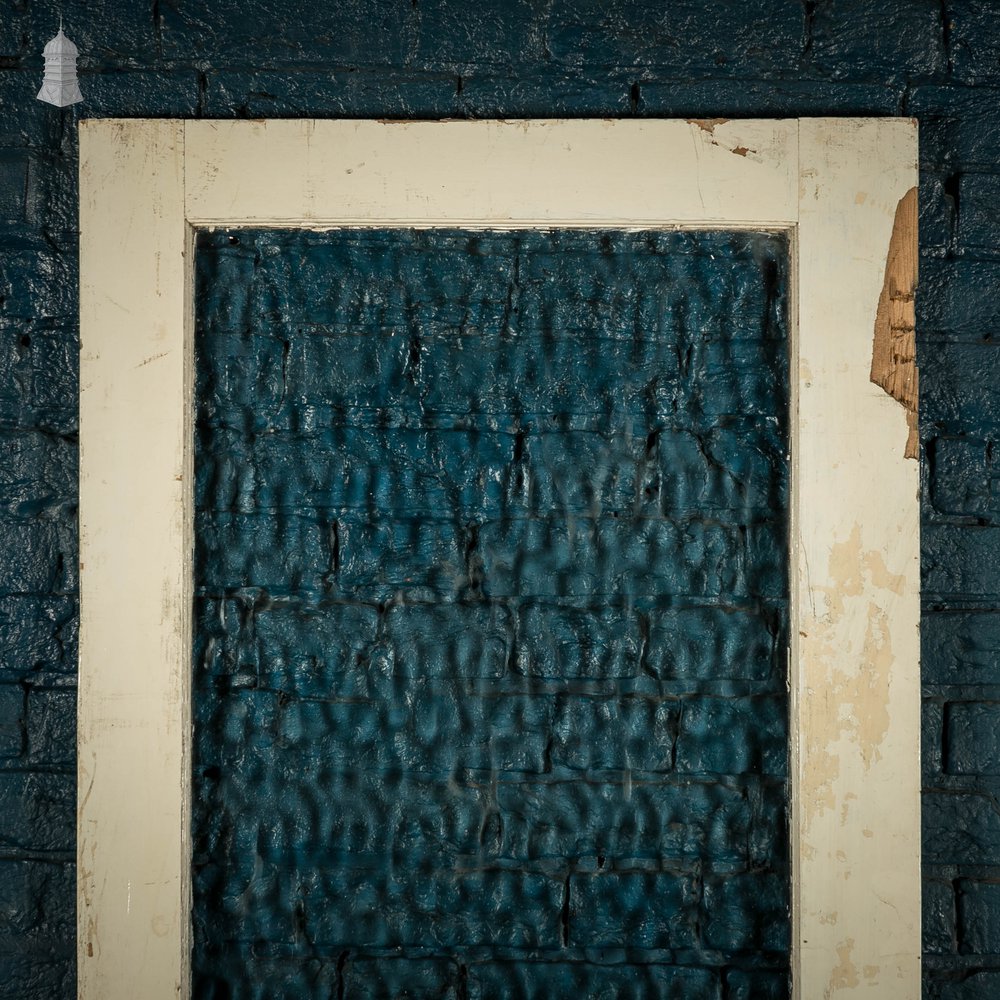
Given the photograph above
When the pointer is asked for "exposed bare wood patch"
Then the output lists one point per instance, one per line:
(894, 351)
(707, 124)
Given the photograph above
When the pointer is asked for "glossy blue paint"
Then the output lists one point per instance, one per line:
(492, 607)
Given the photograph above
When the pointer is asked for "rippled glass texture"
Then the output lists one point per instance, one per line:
(491, 615)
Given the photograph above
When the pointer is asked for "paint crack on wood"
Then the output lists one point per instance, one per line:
(894, 352)
(709, 124)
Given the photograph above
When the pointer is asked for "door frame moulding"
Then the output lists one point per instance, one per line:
(838, 187)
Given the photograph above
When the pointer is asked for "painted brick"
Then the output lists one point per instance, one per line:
(426, 731)
(733, 736)
(102, 30)
(563, 92)
(27, 892)
(469, 641)
(959, 126)
(417, 651)
(408, 472)
(51, 726)
(979, 219)
(358, 816)
(932, 739)
(963, 481)
(226, 291)
(397, 471)
(375, 34)
(898, 40)
(542, 980)
(37, 929)
(940, 918)
(973, 43)
(724, 468)
(130, 92)
(25, 122)
(264, 977)
(15, 371)
(581, 472)
(37, 280)
(979, 917)
(52, 204)
(729, 900)
(972, 734)
(232, 368)
(767, 98)
(960, 647)
(12, 713)
(298, 647)
(32, 971)
(977, 986)
(613, 557)
(39, 811)
(937, 214)
(953, 303)
(37, 471)
(561, 642)
(958, 561)
(40, 373)
(960, 827)
(621, 91)
(768, 841)
(402, 977)
(734, 41)
(598, 733)
(611, 824)
(757, 984)
(35, 567)
(634, 910)
(339, 92)
(499, 909)
(507, 376)
(248, 550)
(37, 634)
(710, 643)
(497, 33)
(13, 186)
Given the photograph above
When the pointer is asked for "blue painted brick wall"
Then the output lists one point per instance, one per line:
(938, 60)
(490, 660)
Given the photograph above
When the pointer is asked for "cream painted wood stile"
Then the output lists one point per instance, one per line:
(833, 184)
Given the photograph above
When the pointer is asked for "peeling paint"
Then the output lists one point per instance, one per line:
(894, 353)
(707, 124)
(858, 677)
(843, 975)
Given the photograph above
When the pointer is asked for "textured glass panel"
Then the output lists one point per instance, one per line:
(491, 615)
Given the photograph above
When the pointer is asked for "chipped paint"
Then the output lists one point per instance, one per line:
(857, 677)
(894, 351)
(708, 126)
(843, 975)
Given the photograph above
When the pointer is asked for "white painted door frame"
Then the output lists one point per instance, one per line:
(841, 188)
